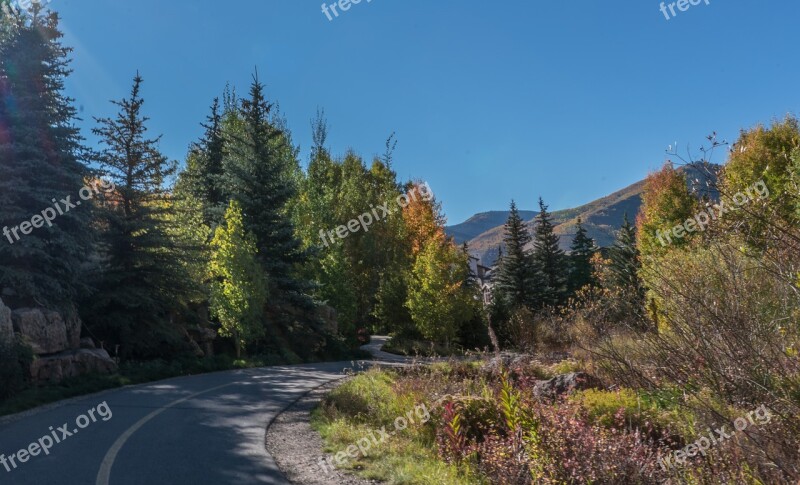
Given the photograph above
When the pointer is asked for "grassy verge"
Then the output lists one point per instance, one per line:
(486, 426)
(365, 404)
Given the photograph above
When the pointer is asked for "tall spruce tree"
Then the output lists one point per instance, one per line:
(203, 177)
(624, 255)
(260, 173)
(516, 279)
(140, 274)
(259, 181)
(549, 259)
(41, 164)
(580, 257)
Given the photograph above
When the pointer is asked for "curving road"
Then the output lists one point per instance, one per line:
(205, 429)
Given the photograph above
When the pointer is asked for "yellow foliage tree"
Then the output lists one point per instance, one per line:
(238, 286)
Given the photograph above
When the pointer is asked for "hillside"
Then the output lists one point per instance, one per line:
(601, 217)
(480, 223)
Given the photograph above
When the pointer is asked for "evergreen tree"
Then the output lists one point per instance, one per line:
(582, 250)
(624, 254)
(203, 177)
(626, 262)
(238, 288)
(260, 171)
(41, 165)
(516, 279)
(142, 276)
(549, 259)
(258, 180)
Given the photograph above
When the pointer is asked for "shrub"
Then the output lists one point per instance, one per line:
(15, 361)
(580, 452)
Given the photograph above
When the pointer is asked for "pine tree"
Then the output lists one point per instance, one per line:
(203, 177)
(625, 261)
(549, 259)
(41, 164)
(515, 280)
(582, 250)
(142, 276)
(238, 288)
(258, 180)
(261, 173)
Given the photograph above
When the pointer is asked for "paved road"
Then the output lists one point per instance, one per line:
(206, 429)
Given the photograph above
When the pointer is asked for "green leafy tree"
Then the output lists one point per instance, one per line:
(549, 259)
(238, 285)
(666, 203)
(364, 274)
(41, 159)
(438, 301)
(765, 154)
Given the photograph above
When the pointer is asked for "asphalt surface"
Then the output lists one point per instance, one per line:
(205, 429)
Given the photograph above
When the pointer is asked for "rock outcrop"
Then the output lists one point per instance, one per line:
(56, 341)
(73, 324)
(44, 330)
(72, 363)
(6, 325)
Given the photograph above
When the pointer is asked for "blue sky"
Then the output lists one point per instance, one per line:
(570, 100)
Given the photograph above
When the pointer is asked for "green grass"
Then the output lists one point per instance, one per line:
(368, 402)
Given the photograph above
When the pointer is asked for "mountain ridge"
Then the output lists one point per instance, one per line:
(601, 217)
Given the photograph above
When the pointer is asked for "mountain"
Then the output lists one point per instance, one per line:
(602, 217)
(480, 223)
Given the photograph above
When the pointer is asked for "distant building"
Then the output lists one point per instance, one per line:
(483, 275)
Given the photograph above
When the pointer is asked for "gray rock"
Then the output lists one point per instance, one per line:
(505, 361)
(6, 326)
(44, 330)
(566, 384)
(88, 343)
(72, 363)
(73, 323)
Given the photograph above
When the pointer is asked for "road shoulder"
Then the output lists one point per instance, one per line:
(297, 449)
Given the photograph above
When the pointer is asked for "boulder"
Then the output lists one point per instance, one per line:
(6, 326)
(566, 384)
(329, 318)
(503, 361)
(73, 324)
(202, 339)
(87, 343)
(44, 330)
(72, 363)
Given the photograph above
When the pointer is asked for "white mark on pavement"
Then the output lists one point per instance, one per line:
(104, 475)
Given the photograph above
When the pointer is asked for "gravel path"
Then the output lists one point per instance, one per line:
(297, 449)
